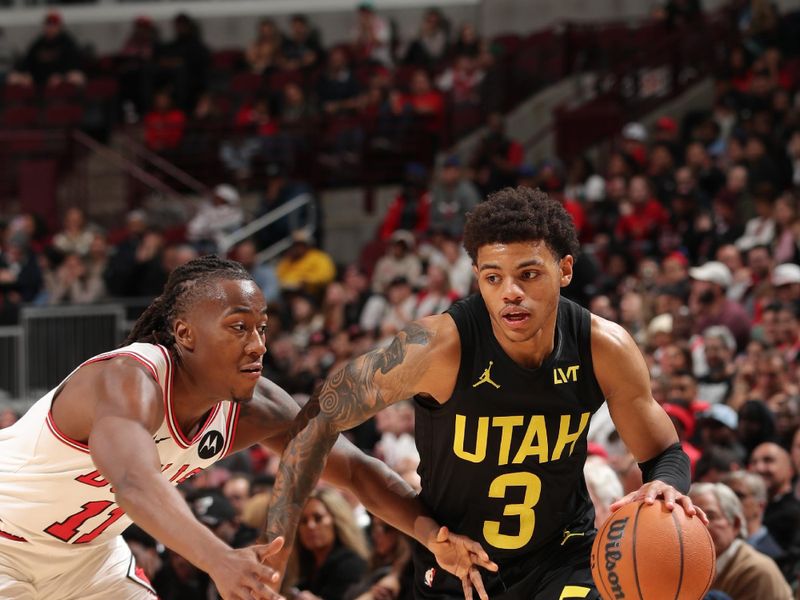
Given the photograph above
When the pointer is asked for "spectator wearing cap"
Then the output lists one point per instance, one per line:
(411, 208)
(715, 383)
(785, 280)
(215, 218)
(51, 59)
(398, 261)
(782, 514)
(718, 425)
(304, 267)
(634, 143)
(709, 304)
(452, 197)
(212, 508)
(752, 493)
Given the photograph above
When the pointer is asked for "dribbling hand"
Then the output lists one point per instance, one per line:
(461, 556)
(653, 490)
(240, 574)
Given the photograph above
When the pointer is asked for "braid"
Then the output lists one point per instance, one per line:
(183, 287)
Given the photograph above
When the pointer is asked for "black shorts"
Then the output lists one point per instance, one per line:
(555, 572)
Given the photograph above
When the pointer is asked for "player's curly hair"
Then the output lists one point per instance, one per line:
(185, 285)
(520, 214)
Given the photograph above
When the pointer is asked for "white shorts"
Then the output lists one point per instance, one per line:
(104, 572)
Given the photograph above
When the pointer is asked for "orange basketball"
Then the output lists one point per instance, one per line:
(650, 553)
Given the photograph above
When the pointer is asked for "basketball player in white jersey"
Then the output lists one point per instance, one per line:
(107, 445)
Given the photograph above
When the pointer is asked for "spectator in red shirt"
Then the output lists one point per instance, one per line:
(164, 125)
(642, 216)
(411, 209)
(425, 102)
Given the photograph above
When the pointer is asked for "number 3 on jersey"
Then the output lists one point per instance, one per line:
(524, 511)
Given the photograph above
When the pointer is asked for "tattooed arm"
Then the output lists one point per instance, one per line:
(423, 358)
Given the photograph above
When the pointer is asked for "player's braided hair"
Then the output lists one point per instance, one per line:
(520, 214)
(185, 285)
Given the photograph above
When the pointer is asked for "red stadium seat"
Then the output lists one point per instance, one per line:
(19, 117)
(63, 115)
(227, 60)
(101, 89)
(18, 94)
(62, 91)
(246, 84)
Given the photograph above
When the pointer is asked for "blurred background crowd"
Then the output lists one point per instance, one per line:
(689, 226)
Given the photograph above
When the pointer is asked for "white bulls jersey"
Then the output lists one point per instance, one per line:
(50, 490)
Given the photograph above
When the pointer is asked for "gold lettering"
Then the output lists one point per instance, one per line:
(480, 439)
(536, 431)
(507, 425)
(565, 437)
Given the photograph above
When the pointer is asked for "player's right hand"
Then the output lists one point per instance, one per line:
(241, 575)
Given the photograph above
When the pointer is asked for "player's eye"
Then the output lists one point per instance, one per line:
(529, 275)
(493, 278)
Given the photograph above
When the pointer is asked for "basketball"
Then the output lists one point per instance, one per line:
(648, 552)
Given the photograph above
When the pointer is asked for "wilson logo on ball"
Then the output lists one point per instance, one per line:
(613, 554)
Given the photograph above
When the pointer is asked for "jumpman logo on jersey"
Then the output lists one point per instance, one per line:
(568, 534)
(486, 377)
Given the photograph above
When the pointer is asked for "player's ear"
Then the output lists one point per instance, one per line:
(565, 265)
(184, 334)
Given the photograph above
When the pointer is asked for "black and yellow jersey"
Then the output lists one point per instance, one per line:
(502, 459)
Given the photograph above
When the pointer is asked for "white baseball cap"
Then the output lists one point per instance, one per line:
(713, 272)
(227, 193)
(785, 274)
(634, 131)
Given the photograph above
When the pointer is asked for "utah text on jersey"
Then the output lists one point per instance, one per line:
(535, 441)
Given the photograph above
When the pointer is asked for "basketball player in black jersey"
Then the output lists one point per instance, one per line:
(505, 384)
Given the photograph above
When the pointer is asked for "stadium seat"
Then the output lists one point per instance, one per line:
(63, 115)
(19, 117)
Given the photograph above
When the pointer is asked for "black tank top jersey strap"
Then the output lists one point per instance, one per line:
(502, 460)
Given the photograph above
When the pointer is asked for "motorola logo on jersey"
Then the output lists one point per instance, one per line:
(210, 445)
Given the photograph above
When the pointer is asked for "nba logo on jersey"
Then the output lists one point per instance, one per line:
(429, 575)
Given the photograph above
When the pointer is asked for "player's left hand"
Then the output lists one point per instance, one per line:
(461, 556)
(653, 490)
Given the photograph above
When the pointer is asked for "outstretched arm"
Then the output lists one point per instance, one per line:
(125, 415)
(348, 397)
(420, 358)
